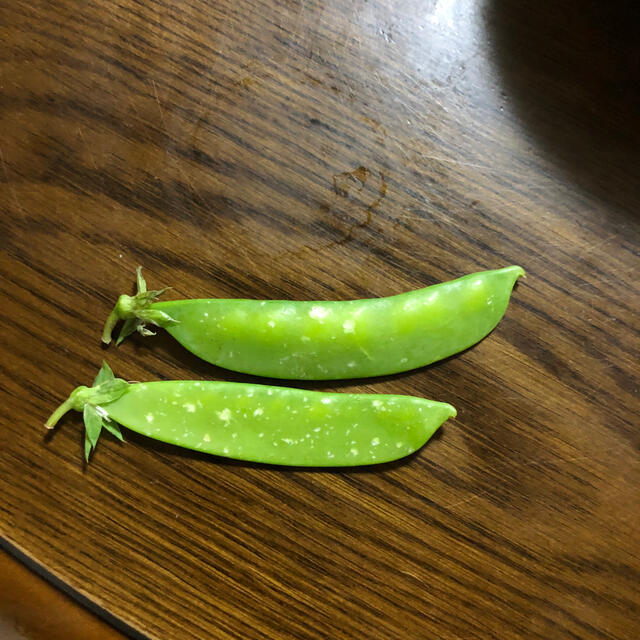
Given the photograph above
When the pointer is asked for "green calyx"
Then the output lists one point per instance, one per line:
(136, 312)
(106, 388)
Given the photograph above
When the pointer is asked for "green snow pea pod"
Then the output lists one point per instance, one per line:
(327, 340)
(259, 423)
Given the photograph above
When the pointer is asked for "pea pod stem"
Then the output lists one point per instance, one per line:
(112, 320)
(64, 408)
(259, 423)
(328, 340)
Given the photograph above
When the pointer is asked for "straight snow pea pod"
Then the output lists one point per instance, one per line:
(327, 340)
(259, 423)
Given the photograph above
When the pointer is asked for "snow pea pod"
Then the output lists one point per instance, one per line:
(327, 340)
(259, 423)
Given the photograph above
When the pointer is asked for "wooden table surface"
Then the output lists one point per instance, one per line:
(330, 150)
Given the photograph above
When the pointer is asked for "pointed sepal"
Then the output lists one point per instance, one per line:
(92, 402)
(137, 312)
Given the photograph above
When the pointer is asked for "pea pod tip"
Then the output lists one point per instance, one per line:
(518, 270)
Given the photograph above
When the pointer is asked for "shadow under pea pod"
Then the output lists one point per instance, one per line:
(571, 70)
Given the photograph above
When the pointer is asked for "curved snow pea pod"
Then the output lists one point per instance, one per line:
(259, 423)
(328, 340)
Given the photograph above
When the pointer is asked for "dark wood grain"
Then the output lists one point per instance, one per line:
(330, 150)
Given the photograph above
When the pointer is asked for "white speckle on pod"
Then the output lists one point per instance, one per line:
(317, 312)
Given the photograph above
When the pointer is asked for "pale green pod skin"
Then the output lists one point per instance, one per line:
(260, 423)
(279, 425)
(340, 340)
(329, 340)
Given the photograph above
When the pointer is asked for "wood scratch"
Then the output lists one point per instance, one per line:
(200, 122)
(456, 162)
(11, 185)
(594, 246)
(483, 167)
(415, 218)
(155, 91)
(412, 574)
(411, 78)
(615, 449)
(93, 159)
(186, 178)
(539, 462)
(470, 499)
(132, 104)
